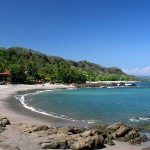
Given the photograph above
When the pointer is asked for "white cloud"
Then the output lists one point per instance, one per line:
(138, 71)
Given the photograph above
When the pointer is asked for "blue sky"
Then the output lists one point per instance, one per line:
(107, 32)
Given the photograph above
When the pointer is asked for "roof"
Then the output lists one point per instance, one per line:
(4, 73)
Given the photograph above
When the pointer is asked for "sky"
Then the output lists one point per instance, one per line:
(106, 32)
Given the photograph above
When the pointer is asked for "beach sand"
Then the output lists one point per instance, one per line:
(16, 113)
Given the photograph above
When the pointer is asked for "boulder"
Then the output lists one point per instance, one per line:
(121, 131)
(113, 127)
(89, 143)
(139, 139)
(4, 122)
(91, 132)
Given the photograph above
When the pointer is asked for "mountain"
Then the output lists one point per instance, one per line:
(27, 66)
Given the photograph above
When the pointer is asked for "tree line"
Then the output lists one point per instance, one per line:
(28, 66)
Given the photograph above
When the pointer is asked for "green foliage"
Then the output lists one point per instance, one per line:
(28, 66)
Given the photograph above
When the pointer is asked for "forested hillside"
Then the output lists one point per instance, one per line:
(29, 66)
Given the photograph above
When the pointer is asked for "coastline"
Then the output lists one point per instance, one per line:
(16, 113)
(12, 108)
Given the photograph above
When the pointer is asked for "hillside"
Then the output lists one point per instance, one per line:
(29, 66)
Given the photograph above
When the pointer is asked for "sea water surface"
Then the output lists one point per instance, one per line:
(94, 105)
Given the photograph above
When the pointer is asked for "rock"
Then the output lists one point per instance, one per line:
(39, 128)
(39, 131)
(54, 144)
(91, 132)
(69, 130)
(131, 134)
(4, 122)
(139, 140)
(121, 131)
(89, 143)
(109, 141)
(113, 127)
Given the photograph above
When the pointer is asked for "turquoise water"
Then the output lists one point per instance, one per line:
(95, 105)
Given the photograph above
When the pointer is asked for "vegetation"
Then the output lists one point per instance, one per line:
(29, 66)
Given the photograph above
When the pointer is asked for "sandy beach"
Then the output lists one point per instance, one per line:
(18, 115)
(12, 108)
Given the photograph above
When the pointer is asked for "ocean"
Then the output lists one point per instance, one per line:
(94, 105)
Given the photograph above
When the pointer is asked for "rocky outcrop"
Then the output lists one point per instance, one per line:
(105, 85)
(85, 139)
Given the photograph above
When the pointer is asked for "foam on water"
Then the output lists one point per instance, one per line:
(139, 119)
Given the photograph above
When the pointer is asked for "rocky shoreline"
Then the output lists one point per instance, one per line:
(105, 84)
(68, 137)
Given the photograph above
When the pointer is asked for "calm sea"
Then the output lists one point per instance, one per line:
(94, 105)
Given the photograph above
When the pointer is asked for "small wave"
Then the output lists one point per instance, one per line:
(139, 119)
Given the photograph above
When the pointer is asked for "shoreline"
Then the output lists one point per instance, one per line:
(12, 109)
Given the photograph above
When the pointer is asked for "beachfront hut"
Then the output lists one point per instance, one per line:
(4, 77)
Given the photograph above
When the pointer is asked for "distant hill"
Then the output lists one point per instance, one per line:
(28, 66)
(144, 78)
